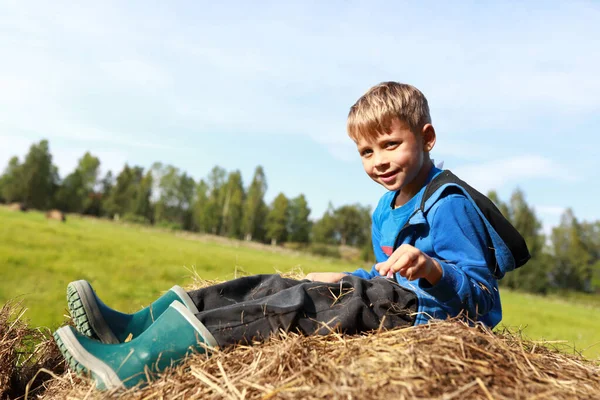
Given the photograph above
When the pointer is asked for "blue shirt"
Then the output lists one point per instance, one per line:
(453, 231)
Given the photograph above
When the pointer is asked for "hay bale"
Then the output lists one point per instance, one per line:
(56, 215)
(17, 207)
(24, 352)
(442, 360)
(12, 331)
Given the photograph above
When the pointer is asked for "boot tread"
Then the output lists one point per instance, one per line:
(77, 310)
(71, 361)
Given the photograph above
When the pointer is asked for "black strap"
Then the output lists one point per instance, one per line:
(513, 239)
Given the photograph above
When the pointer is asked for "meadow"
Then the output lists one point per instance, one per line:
(130, 265)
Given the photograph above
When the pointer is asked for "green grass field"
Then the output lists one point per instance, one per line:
(131, 265)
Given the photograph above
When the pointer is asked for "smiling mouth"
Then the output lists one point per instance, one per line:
(388, 175)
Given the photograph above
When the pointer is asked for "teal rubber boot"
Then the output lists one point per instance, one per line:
(96, 320)
(174, 335)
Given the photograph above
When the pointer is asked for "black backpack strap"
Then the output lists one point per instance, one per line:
(513, 239)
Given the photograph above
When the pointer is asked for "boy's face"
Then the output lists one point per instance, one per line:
(394, 159)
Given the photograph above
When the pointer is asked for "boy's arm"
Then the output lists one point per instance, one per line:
(330, 277)
(460, 241)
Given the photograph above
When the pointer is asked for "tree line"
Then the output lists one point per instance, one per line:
(165, 196)
(221, 204)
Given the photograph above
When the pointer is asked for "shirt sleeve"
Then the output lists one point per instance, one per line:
(461, 247)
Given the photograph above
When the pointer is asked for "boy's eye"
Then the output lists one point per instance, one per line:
(391, 145)
(366, 152)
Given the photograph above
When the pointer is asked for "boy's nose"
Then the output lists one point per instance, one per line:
(379, 160)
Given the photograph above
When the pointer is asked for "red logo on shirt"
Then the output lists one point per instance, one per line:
(387, 250)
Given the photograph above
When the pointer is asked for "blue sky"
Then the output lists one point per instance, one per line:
(514, 90)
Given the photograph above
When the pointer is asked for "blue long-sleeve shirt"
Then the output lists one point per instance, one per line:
(453, 231)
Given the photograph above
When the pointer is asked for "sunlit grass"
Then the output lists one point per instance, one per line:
(551, 318)
(131, 265)
(128, 265)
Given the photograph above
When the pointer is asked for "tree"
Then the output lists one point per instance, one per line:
(277, 220)
(353, 224)
(75, 194)
(346, 225)
(142, 206)
(216, 200)
(534, 276)
(233, 206)
(122, 196)
(11, 182)
(199, 209)
(572, 260)
(299, 226)
(255, 209)
(176, 193)
(39, 177)
(591, 239)
(324, 230)
(187, 186)
(106, 185)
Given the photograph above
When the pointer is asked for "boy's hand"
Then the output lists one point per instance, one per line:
(330, 277)
(412, 264)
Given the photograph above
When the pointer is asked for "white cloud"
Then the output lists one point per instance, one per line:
(495, 174)
(446, 147)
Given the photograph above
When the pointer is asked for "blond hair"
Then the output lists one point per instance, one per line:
(373, 112)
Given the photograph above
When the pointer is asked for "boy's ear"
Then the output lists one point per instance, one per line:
(428, 135)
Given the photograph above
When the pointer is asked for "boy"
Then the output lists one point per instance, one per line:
(438, 255)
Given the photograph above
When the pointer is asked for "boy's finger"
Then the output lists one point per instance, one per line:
(382, 268)
(405, 261)
(396, 254)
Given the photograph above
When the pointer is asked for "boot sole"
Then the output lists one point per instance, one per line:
(86, 314)
(82, 362)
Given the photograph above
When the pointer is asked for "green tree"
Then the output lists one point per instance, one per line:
(299, 225)
(106, 185)
(76, 192)
(572, 260)
(11, 182)
(277, 220)
(591, 240)
(121, 200)
(187, 187)
(39, 176)
(255, 209)
(233, 206)
(176, 193)
(347, 225)
(216, 200)
(534, 276)
(142, 206)
(353, 224)
(324, 230)
(199, 209)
